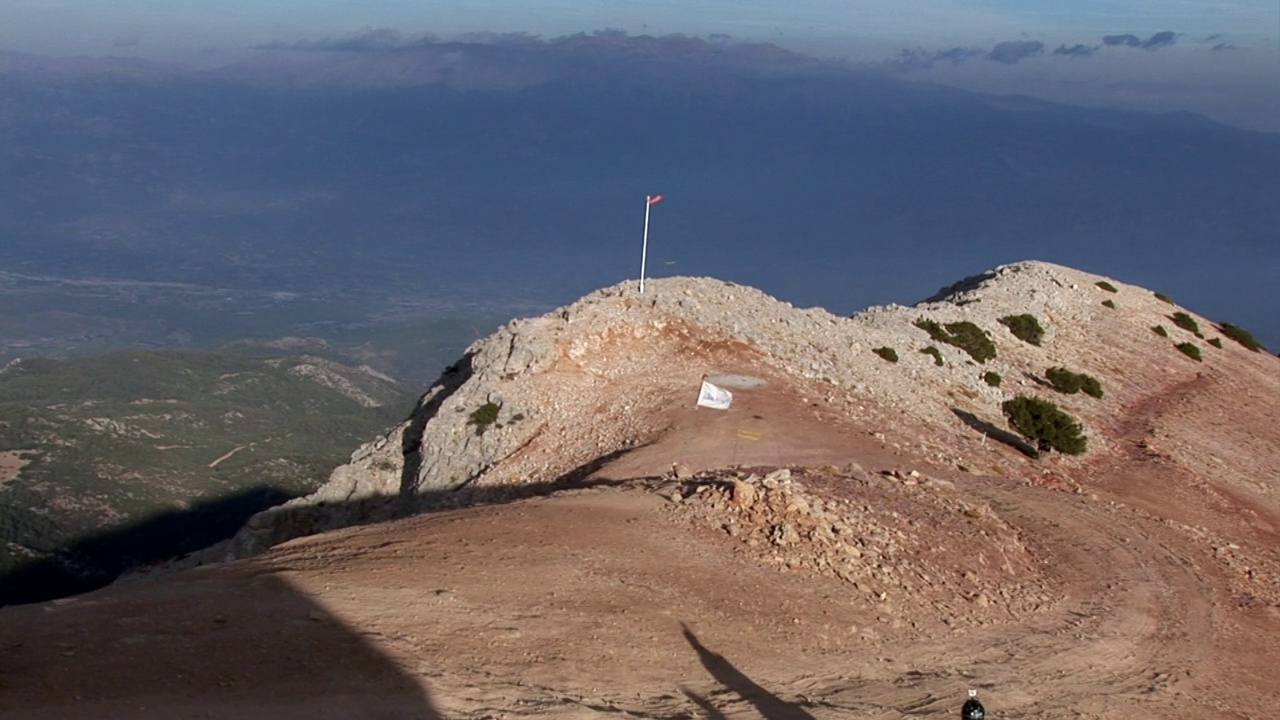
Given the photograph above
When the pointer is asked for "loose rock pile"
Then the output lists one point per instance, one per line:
(895, 538)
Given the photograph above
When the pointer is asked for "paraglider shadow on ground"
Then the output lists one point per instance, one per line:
(998, 434)
(766, 703)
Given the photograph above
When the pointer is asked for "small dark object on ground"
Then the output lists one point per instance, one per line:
(1065, 381)
(1025, 327)
(887, 353)
(1191, 351)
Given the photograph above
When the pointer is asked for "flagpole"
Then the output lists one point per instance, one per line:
(644, 247)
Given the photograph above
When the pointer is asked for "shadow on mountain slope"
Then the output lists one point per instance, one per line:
(996, 433)
(453, 377)
(97, 560)
(293, 521)
(92, 561)
(221, 641)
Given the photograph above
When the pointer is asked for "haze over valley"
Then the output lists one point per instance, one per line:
(323, 185)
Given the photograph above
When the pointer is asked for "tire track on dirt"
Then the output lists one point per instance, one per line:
(1129, 614)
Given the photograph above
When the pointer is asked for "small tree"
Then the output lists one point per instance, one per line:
(484, 417)
(1186, 322)
(1242, 336)
(1043, 423)
(887, 353)
(1024, 327)
(964, 335)
(1190, 350)
(1065, 381)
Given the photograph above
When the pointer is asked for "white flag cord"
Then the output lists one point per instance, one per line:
(644, 247)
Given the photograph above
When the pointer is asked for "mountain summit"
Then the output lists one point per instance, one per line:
(605, 387)
(871, 527)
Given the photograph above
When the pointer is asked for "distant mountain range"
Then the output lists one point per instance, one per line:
(507, 174)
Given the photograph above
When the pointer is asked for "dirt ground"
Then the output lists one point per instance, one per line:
(11, 464)
(1056, 591)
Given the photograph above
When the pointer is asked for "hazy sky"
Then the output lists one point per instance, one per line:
(97, 25)
(1218, 57)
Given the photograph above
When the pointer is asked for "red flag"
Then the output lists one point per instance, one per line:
(654, 199)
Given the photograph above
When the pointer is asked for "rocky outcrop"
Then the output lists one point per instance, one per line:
(863, 528)
(545, 396)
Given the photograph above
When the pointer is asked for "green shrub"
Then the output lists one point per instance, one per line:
(1024, 327)
(1159, 330)
(1242, 336)
(992, 378)
(1216, 342)
(1045, 424)
(964, 335)
(1186, 322)
(933, 328)
(1106, 286)
(887, 353)
(484, 417)
(1065, 381)
(936, 353)
(1190, 350)
(1109, 303)
(1163, 298)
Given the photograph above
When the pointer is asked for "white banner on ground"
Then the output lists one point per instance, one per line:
(714, 397)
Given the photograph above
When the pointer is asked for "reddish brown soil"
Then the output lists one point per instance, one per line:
(1148, 592)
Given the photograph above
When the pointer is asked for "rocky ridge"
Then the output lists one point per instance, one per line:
(549, 396)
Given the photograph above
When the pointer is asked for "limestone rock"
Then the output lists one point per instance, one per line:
(744, 494)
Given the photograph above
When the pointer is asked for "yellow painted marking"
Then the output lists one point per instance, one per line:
(751, 435)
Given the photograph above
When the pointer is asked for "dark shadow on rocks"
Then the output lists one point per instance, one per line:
(996, 433)
(583, 474)
(709, 711)
(223, 642)
(428, 406)
(94, 560)
(765, 702)
(580, 478)
(287, 522)
(244, 525)
(1042, 382)
(973, 282)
